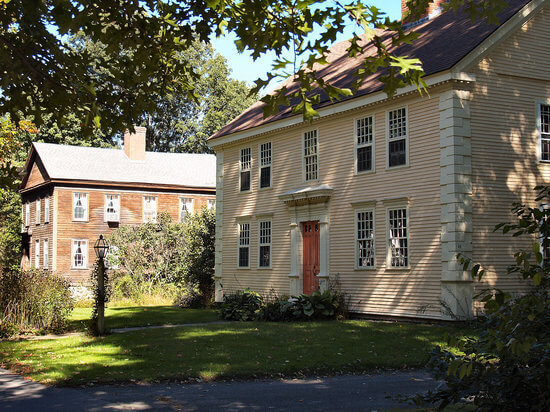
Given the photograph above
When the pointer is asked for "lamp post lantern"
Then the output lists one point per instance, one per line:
(101, 249)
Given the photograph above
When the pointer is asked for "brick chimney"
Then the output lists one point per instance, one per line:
(432, 10)
(134, 143)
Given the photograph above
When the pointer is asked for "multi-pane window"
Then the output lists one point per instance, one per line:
(364, 235)
(38, 211)
(244, 245)
(79, 253)
(47, 209)
(80, 206)
(310, 155)
(364, 144)
(545, 132)
(211, 204)
(186, 206)
(112, 208)
(150, 209)
(397, 137)
(264, 243)
(37, 253)
(244, 166)
(545, 235)
(398, 238)
(27, 214)
(265, 165)
(46, 253)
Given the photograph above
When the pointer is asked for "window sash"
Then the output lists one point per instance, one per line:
(264, 242)
(186, 206)
(46, 253)
(265, 165)
(112, 208)
(311, 155)
(150, 209)
(544, 122)
(364, 236)
(27, 213)
(37, 253)
(79, 254)
(38, 211)
(397, 137)
(211, 204)
(398, 237)
(80, 206)
(244, 245)
(364, 137)
(245, 163)
(47, 209)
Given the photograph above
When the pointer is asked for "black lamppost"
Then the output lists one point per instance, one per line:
(101, 248)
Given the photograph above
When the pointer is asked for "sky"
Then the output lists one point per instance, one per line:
(246, 69)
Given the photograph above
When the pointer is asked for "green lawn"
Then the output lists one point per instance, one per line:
(235, 350)
(124, 317)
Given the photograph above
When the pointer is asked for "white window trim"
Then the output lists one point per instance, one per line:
(249, 170)
(36, 254)
(47, 209)
(116, 216)
(394, 206)
(86, 206)
(407, 138)
(182, 202)
(270, 244)
(304, 180)
(27, 214)
(540, 102)
(260, 167)
(355, 220)
(244, 222)
(45, 253)
(154, 219)
(356, 146)
(84, 251)
(38, 211)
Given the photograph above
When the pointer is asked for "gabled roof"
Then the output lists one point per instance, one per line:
(443, 42)
(76, 163)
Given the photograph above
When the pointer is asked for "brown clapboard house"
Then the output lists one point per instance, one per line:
(381, 193)
(70, 195)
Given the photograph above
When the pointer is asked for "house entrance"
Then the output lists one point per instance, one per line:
(310, 236)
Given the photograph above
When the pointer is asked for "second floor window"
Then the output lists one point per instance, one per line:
(244, 166)
(265, 165)
(150, 209)
(27, 214)
(310, 155)
(397, 137)
(545, 132)
(112, 208)
(186, 206)
(38, 211)
(46, 209)
(363, 144)
(244, 245)
(80, 206)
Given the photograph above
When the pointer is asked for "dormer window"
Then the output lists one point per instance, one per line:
(112, 208)
(80, 206)
(186, 206)
(150, 209)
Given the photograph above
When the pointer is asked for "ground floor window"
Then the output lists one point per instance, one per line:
(244, 245)
(46, 253)
(79, 253)
(37, 253)
(265, 243)
(364, 235)
(398, 238)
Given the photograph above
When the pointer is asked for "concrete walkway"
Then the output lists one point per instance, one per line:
(349, 392)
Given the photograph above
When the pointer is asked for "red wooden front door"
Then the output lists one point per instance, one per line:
(310, 235)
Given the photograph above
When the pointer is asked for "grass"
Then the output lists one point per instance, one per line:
(123, 317)
(235, 350)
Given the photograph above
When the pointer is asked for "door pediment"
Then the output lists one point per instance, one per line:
(308, 195)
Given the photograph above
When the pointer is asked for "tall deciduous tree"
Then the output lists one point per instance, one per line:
(42, 71)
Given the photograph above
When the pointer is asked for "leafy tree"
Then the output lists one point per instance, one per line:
(198, 267)
(507, 367)
(181, 124)
(43, 72)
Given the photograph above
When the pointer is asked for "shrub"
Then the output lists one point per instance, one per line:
(189, 297)
(242, 306)
(315, 306)
(126, 290)
(34, 300)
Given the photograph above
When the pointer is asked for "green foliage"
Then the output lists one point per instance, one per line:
(315, 306)
(33, 300)
(126, 290)
(136, 61)
(189, 297)
(198, 265)
(242, 306)
(508, 366)
(152, 252)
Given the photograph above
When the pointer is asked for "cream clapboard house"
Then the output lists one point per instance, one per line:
(381, 193)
